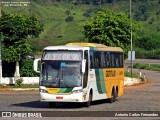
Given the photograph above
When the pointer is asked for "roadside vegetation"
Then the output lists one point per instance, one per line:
(136, 75)
(147, 66)
(128, 74)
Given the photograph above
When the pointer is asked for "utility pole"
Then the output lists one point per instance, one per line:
(131, 35)
(0, 46)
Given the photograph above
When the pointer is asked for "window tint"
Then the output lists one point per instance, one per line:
(97, 59)
(103, 59)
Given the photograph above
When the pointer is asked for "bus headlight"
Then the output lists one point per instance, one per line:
(43, 91)
(77, 91)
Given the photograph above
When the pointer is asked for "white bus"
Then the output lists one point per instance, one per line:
(80, 72)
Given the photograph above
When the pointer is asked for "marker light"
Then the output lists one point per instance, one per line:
(77, 91)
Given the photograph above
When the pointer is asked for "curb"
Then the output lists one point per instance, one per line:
(18, 89)
(21, 89)
(131, 81)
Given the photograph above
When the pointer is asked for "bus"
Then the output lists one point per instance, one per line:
(80, 72)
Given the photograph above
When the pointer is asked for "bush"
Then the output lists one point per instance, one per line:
(147, 66)
(19, 82)
(148, 41)
(86, 14)
(158, 28)
(69, 19)
(26, 69)
(59, 36)
(68, 12)
(147, 54)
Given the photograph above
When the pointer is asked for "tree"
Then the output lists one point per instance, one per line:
(16, 28)
(110, 29)
(148, 41)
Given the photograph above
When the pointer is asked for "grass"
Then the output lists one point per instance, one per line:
(22, 86)
(56, 30)
(128, 74)
(147, 66)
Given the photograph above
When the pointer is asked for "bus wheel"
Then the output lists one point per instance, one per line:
(88, 103)
(113, 97)
(51, 104)
(116, 95)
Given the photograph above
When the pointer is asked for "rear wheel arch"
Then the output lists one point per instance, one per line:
(90, 97)
(113, 90)
(113, 95)
(90, 94)
(91, 91)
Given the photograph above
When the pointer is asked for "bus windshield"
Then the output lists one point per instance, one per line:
(61, 74)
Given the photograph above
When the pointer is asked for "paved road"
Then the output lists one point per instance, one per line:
(144, 61)
(153, 61)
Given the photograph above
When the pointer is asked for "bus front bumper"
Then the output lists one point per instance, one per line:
(73, 97)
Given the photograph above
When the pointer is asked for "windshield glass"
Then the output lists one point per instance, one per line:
(61, 74)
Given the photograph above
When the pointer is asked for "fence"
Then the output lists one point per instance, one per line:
(26, 80)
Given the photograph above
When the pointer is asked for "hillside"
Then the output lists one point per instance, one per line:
(62, 19)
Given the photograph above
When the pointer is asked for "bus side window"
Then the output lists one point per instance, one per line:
(120, 56)
(97, 58)
(113, 60)
(103, 62)
(121, 59)
(117, 60)
(108, 59)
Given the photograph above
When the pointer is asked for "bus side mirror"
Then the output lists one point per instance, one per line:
(83, 66)
(35, 65)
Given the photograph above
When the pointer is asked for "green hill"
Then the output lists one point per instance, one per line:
(62, 19)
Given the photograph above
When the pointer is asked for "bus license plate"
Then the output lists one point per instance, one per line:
(59, 97)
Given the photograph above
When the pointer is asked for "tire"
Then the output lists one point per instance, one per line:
(116, 95)
(88, 103)
(51, 104)
(113, 97)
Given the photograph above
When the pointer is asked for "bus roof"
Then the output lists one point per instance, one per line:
(96, 45)
(84, 46)
(64, 47)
